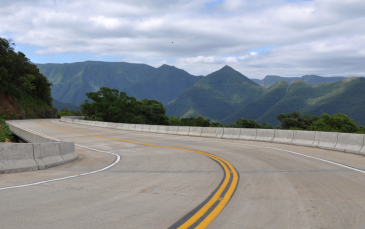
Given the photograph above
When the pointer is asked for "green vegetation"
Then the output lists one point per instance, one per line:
(328, 123)
(294, 121)
(215, 96)
(60, 105)
(270, 80)
(222, 96)
(191, 121)
(164, 85)
(5, 132)
(19, 77)
(66, 112)
(72, 81)
(110, 105)
(24, 91)
(346, 97)
(335, 123)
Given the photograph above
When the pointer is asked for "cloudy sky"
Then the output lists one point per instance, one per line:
(256, 37)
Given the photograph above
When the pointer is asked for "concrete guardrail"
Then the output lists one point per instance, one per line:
(352, 143)
(41, 153)
(183, 130)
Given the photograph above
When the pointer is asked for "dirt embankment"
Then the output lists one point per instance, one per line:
(10, 107)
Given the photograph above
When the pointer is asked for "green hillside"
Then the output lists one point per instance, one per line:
(164, 85)
(347, 97)
(24, 91)
(256, 109)
(72, 81)
(60, 105)
(270, 80)
(215, 96)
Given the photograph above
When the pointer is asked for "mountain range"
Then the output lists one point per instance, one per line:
(225, 95)
(270, 80)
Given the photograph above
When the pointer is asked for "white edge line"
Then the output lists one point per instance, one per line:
(68, 177)
(288, 151)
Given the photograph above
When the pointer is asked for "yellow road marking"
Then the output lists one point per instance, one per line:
(229, 171)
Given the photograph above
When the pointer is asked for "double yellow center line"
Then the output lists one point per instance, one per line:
(206, 214)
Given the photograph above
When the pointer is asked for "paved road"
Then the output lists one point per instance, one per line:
(155, 187)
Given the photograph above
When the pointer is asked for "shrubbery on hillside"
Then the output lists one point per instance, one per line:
(110, 105)
(19, 77)
(5, 132)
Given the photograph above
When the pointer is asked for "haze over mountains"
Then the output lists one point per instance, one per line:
(225, 95)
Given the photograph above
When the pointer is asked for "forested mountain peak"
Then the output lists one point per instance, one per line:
(164, 85)
(225, 77)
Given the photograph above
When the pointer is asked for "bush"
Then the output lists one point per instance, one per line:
(5, 132)
(335, 123)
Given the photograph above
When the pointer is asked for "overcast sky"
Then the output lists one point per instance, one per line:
(256, 37)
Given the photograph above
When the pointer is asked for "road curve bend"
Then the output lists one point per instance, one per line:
(169, 181)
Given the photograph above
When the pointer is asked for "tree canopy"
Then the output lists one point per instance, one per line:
(110, 105)
(19, 76)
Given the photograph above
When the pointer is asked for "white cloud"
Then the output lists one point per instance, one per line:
(319, 37)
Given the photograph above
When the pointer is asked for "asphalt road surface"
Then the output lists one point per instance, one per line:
(163, 181)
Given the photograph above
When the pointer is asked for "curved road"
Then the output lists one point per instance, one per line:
(162, 187)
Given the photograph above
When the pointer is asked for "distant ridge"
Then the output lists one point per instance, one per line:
(216, 96)
(346, 96)
(270, 80)
(72, 81)
(224, 95)
(164, 85)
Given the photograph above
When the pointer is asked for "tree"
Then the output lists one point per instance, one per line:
(19, 77)
(295, 121)
(174, 121)
(110, 105)
(334, 123)
(246, 123)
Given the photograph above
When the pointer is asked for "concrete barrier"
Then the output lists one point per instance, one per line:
(351, 143)
(283, 136)
(154, 129)
(220, 132)
(120, 126)
(44, 151)
(317, 136)
(146, 128)
(248, 134)
(138, 127)
(125, 126)
(209, 132)
(112, 125)
(183, 130)
(266, 135)
(16, 157)
(47, 155)
(162, 129)
(99, 124)
(354, 143)
(362, 151)
(132, 126)
(231, 133)
(172, 129)
(303, 138)
(327, 140)
(67, 151)
(195, 131)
